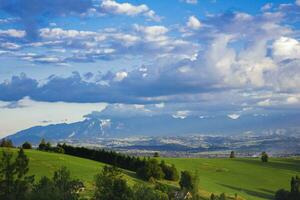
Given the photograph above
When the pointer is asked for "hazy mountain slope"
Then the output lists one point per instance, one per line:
(92, 128)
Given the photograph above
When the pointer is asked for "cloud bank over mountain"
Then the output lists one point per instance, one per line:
(218, 62)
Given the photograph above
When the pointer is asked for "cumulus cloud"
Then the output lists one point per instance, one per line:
(267, 6)
(234, 53)
(233, 116)
(113, 7)
(194, 23)
(13, 33)
(120, 76)
(286, 48)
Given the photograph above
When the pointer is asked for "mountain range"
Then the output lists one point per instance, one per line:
(98, 127)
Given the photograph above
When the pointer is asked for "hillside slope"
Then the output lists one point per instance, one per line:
(44, 164)
(248, 177)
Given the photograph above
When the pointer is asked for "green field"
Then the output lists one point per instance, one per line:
(249, 178)
(44, 164)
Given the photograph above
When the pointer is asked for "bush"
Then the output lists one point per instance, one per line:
(26, 145)
(264, 157)
(170, 172)
(282, 194)
(186, 181)
(61, 187)
(6, 143)
(189, 182)
(294, 193)
(148, 193)
(232, 154)
(151, 169)
(110, 185)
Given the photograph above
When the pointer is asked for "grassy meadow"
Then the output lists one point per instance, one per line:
(248, 177)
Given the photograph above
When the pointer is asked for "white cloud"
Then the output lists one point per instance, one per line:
(58, 33)
(120, 76)
(194, 23)
(233, 116)
(240, 16)
(151, 31)
(160, 105)
(182, 114)
(10, 46)
(191, 1)
(286, 48)
(13, 33)
(267, 6)
(113, 7)
(265, 103)
(297, 2)
(292, 100)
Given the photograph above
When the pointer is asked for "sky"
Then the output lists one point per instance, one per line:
(61, 60)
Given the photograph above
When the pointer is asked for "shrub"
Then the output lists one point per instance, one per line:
(26, 145)
(151, 169)
(110, 185)
(264, 157)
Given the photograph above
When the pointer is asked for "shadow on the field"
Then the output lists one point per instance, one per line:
(132, 175)
(293, 165)
(266, 194)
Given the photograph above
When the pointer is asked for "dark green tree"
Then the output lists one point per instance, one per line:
(232, 154)
(293, 194)
(26, 145)
(156, 155)
(170, 172)
(186, 181)
(264, 157)
(190, 182)
(151, 169)
(213, 197)
(282, 194)
(148, 193)
(42, 145)
(14, 184)
(222, 196)
(45, 190)
(110, 185)
(6, 143)
(61, 187)
(295, 184)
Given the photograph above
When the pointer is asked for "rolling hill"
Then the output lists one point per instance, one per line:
(247, 177)
(44, 164)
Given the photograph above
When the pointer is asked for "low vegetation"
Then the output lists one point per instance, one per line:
(293, 194)
(85, 179)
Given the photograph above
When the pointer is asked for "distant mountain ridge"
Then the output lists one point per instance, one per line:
(162, 125)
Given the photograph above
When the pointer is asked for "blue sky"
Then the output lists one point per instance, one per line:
(180, 57)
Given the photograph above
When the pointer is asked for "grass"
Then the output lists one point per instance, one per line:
(44, 164)
(248, 177)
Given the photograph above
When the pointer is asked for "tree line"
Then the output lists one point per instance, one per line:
(144, 168)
